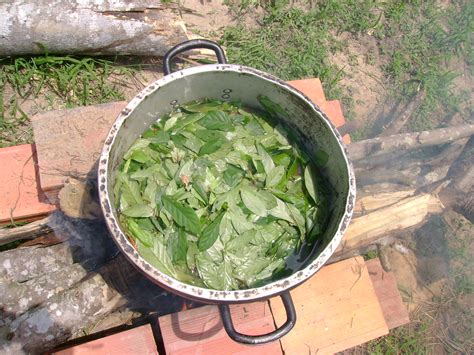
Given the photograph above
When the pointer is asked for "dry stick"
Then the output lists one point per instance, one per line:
(408, 141)
(101, 27)
(402, 116)
(28, 231)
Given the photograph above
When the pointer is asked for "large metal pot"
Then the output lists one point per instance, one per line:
(230, 82)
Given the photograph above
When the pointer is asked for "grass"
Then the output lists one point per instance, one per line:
(403, 340)
(64, 81)
(418, 41)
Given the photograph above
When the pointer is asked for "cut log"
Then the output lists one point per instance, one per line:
(43, 327)
(404, 214)
(28, 231)
(88, 27)
(19, 297)
(462, 170)
(23, 264)
(408, 141)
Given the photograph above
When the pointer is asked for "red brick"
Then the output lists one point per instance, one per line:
(138, 340)
(200, 331)
(20, 196)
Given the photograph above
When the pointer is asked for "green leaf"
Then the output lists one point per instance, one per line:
(274, 176)
(267, 160)
(138, 211)
(179, 246)
(321, 158)
(210, 233)
(273, 108)
(212, 145)
(184, 216)
(232, 175)
(197, 186)
(217, 120)
(144, 236)
(206, 135)
(209, 272)
(309, 183)
(253, 202)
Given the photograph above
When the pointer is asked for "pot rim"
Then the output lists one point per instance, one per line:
(199, 293)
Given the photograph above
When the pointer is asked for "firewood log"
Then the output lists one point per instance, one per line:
(408, 141)
(88, 27)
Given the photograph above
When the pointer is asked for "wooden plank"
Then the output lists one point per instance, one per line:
(68, 142)
(200, 331)
(336, 309)
(138, 340)
(385, 286)
(21, 199)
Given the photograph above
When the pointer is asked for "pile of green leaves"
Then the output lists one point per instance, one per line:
(215, 196)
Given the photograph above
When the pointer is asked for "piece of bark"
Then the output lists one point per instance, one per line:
(408, 141)
(41, 328)
(78, 199)
(88, 27)
(28, 231)
(19, 297)
(23, 264)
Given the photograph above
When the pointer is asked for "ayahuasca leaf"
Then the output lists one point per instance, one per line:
(310, 183)
(251, 200)
(138, 211)
(184, 216)
(217, 120)
(210, 233)
(274, 176)
(212, 145)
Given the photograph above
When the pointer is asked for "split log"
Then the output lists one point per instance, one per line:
(408, 141)
(29, 231)
(369, 203)
(88, 27)
(404, 214)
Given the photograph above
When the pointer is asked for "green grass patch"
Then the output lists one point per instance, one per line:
(403, 340)
(417, 40)
(421, 41)
(63, 81)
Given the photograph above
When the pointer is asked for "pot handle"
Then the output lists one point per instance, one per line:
(265, 338)
(192, 44)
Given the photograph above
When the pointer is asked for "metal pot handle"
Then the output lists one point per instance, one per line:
(265, 338)
(192, 44)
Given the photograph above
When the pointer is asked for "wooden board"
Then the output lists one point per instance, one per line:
(385, 286)
(138, 340)
(200, 331)
(336, 309)
(20, 196)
